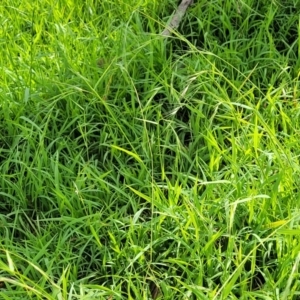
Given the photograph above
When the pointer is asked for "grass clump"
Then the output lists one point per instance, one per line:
(138, 167)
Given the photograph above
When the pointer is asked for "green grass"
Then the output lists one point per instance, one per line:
(138, 167)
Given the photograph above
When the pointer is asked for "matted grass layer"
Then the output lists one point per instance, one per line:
(134, 166)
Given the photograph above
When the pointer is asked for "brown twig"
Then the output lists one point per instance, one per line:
(176, 19)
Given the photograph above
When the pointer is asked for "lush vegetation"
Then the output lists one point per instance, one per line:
(135, 166)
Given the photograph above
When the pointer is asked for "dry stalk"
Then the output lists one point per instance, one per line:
(177, 17)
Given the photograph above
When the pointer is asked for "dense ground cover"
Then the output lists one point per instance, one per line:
(134, 166)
